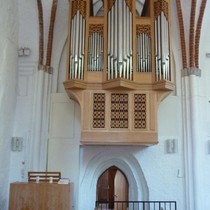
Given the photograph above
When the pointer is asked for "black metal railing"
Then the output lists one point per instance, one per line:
(135, 205)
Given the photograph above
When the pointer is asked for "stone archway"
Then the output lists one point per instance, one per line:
(123, 160)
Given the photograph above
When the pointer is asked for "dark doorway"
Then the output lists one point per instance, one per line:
(112, 186)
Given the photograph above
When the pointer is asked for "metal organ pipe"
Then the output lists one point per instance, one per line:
(83, 48)
(166, 50)
(102, 54)
(112, 43)
(130, 45)
(157, 53)
(162, 55)
(120, 35)
(91, 53)
(95, 51)
(119, 41)
(123, 41)
(77, 47)
(80, 49)
(127, 42)
(71, 48)
(116, 36)
(108, 47)
(143, 52)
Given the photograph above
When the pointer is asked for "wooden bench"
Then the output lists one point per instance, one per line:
(44, 176)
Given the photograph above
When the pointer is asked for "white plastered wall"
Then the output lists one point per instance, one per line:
(8, 85)
(26, 76)
(163, 172)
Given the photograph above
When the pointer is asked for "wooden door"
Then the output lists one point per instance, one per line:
(120, 190)
(112, 186)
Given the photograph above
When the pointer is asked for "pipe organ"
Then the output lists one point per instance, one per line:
(119, 40)
(143, 38)
(162, 44)
(95, 48)
(119, 68)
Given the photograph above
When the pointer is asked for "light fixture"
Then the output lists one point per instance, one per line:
(208, 55)
(24, 51)
(208, 146)
(17, 144)
(171, 145)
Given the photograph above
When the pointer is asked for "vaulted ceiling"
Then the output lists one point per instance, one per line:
(98, 6)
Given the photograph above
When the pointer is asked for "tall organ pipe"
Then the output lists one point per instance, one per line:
(119, 41)
(77, 46)
(162, 56)
(95, 52)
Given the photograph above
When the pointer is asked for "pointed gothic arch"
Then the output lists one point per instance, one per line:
(112, 185)
(126, 162)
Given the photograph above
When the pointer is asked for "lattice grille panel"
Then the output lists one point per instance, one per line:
(78, 5)
(161, 6)
(119, 110)
(140, 111)
(99, 110)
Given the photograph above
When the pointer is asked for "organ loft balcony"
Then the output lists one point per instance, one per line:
(119, 68)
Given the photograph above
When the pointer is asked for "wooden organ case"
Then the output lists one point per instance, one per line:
(119, 68)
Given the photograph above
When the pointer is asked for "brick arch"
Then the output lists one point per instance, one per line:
(47, 65)
(194, 36)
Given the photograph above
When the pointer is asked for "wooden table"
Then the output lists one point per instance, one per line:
(39, 196)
